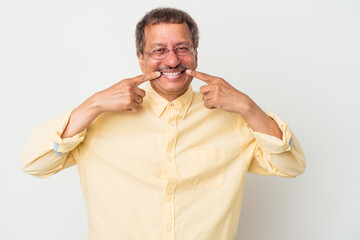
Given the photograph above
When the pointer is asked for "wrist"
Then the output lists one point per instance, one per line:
(93, 105)
(247, 108)
(89, 109)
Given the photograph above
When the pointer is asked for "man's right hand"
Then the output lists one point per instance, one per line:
(124, 95)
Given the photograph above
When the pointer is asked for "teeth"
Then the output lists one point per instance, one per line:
(171, 73)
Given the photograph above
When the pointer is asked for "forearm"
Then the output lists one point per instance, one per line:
(81, 117)
(289, 163)
(38, 156)
(282, 157)
(259, 121)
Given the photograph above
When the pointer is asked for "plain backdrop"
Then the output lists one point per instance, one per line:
(299, 59)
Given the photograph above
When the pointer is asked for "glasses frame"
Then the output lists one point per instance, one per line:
(167, 53)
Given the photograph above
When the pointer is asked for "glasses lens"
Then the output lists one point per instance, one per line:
(158, 53)
(183, 50)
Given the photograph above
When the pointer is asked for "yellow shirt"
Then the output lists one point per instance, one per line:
(171, 170)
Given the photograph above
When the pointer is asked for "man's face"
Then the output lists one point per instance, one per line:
(168, 36)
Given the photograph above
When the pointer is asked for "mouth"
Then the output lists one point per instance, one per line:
(173, 74)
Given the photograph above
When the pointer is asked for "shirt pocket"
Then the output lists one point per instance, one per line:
(205, 168)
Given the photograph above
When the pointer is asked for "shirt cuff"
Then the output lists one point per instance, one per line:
(271, 144)
(65, 145)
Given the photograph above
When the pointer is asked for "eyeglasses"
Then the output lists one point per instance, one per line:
(161, 52)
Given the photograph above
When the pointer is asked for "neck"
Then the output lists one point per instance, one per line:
(169, 96)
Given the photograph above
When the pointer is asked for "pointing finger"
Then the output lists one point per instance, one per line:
(202, 76)
(145, 77)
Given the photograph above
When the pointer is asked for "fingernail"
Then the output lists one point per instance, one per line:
(157, 74)
(188, 71)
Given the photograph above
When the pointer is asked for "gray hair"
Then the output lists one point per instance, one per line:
(164, 15)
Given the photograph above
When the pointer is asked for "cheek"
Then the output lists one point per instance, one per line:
(150, 64)
(192, 62)
(153, 65)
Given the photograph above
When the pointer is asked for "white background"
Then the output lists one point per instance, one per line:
(299, 59)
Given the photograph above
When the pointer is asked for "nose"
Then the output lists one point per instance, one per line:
(172, 60)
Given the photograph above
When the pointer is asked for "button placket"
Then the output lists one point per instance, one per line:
(171, 174)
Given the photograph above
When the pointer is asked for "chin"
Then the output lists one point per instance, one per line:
(172, 87)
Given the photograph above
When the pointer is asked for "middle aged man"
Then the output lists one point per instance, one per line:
(165, 162)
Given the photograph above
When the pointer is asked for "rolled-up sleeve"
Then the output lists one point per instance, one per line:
(273, 156)
(46, 153)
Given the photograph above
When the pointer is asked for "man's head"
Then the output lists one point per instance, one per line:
(164, 29)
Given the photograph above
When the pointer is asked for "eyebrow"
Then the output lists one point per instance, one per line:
(157, 44)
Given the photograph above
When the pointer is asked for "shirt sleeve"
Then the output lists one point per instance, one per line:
(277, 157)
(46, 153)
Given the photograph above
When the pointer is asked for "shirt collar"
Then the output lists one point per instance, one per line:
(157, 104)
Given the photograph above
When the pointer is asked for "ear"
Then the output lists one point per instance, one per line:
(141, 62)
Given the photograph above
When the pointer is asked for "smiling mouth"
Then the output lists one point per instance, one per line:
(172, 73)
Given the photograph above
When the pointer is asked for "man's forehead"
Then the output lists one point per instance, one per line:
(160, 34)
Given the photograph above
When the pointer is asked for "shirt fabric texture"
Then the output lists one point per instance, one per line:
(171, 170)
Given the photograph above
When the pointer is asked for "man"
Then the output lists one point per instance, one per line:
(165, 162)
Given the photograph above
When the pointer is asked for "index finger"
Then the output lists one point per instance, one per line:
(200, 75)
(145, 77)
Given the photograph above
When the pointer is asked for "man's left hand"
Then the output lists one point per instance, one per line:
(220, 94)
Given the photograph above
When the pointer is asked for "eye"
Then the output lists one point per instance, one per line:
(158, 51)
(183, 49)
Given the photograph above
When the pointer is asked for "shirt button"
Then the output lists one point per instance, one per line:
(169, 229)
(171, 104)
(170, 192)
